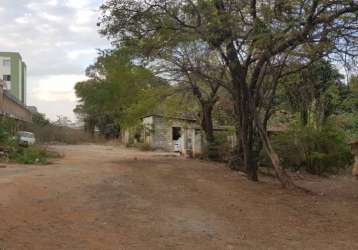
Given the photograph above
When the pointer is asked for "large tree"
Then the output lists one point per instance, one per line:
(256, 40)
(193, 68)
(118, 92)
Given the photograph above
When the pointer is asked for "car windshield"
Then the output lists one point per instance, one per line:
(25, 134)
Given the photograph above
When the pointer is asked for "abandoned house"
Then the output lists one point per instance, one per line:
(173, 134)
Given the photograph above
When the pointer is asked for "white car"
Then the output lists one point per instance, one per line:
(26, 138)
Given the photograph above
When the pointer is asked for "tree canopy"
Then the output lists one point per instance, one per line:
(117, 93)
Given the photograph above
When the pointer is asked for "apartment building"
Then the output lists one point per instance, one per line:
(13, 73)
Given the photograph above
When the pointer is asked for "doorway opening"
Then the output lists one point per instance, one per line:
(176, 136)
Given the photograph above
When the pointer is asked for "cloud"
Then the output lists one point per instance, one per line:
(23, 19)
(78, 4)
(57, 39)
(54, 94)
(56, 88)
(50, 17)
(75, 54)
(53, 2)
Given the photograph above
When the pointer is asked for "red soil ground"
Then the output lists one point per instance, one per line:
(103, 197)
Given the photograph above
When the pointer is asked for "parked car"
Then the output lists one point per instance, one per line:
(26, 138)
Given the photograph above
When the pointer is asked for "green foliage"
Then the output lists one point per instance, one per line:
(349, 123)
(118, 93)
(179, 103)
(220, 149)
(347, 117)
(4, 136)
(32, 155)
(317, 151)
(13, 152)
(222, 137)
(40, 120)
(7, 128)
(315, 93)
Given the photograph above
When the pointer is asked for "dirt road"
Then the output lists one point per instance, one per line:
(101, 197)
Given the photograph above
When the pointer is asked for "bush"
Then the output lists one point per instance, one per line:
(348, 122)
(317, 151)
(32, 155)
(10, 150)
(7, 127)
(4, 136)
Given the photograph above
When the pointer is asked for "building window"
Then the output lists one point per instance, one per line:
(6, 63)
(7, 78)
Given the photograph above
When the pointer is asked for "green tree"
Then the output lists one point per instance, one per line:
(40, 120)
(315, 93)
(350, 104)
(118, 92)
(347, 118)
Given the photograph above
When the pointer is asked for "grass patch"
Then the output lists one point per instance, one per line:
(33, 155)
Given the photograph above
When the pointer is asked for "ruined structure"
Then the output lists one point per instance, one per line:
(180, 134)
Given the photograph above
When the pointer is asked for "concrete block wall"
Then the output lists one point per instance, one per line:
(12, 108)
(162, 134)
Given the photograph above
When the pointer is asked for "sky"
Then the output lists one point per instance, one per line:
(57, 39)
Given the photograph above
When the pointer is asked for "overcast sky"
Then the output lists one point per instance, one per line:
(58, 40)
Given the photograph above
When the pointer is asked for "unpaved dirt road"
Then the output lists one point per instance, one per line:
(102, 197)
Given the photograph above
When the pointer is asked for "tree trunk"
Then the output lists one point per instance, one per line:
(246, 132)
(281, 174)
(243, 107)
(207, 121)
(249, 154)
(207, 126)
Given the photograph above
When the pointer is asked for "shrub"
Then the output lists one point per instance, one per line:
(32, 155)
(348, 122)
(10, 150)
(317, 151)
(7, 127)
(4, 136)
